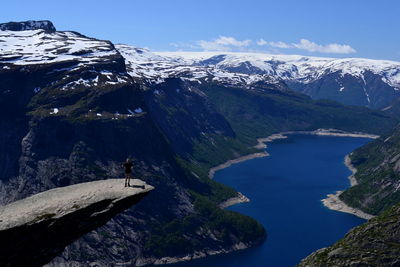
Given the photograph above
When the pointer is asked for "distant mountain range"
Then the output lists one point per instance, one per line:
(351, 81)
(72, 108)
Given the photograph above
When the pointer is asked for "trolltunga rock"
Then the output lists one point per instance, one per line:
(36, 229)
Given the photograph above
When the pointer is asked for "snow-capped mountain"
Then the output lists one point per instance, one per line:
(69, 52)
(72, 108)
(70, 113)
(156, 67)
(353, 81)
(291, 67)
(38, 46)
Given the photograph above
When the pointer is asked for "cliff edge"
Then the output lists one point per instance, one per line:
(36, 229)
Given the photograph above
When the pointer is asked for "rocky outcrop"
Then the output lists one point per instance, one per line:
(36, 229)
(374, 243)
(28, 26)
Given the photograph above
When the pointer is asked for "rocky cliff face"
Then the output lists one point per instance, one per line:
(367, 89)
(375, 243)
(378, 174)
(36, 229)
(70, 113)
(72, 108)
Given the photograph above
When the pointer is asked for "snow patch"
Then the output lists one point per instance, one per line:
(41, 47)
(55, 111)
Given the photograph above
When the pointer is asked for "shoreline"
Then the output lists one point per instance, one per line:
(193, 256)
(333, 202)
(350, 166)
(261, 144)
(240, 198)
(334, 132)
(228, 163)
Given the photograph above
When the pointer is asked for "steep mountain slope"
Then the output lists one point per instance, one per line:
(351, 81)
(374, 243)
(70, 113)
(377, 242)
(378, 174)
(73, 108)
(265, 108)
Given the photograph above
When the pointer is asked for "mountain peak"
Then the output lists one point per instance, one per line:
(28, 26)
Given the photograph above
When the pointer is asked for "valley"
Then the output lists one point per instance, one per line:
(72, 108)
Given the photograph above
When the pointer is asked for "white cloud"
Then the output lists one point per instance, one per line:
(329, 48)
(223, 43)
(262, 42)
(307, 45)
(279, 44)
(223, 40)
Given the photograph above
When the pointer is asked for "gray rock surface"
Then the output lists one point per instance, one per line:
(36, 229)
(28, 26)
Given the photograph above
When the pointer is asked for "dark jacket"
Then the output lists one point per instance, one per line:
(128, 167)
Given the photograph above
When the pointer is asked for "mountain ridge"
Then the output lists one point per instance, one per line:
(348, 80)
(62, 94)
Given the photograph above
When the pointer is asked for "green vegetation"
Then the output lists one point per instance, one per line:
(374, 243)
(378, 174)
(252, 114)
(181, 236)
(257, 113)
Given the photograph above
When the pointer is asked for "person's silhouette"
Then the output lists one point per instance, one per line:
(128, 165)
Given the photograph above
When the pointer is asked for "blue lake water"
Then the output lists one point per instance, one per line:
(285, 190)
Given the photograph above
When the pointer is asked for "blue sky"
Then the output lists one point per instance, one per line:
(335, 28)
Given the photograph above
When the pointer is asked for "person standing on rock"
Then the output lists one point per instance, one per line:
(128, 165)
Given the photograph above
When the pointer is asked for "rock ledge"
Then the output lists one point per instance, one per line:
(37, 228)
